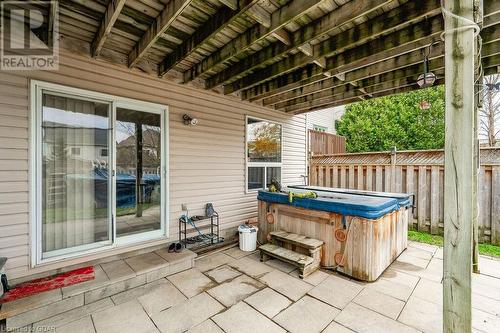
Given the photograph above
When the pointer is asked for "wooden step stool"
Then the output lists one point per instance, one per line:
(306, 264)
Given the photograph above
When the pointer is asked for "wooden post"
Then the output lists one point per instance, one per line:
(138, 173)
(478, 103)
(459, 200)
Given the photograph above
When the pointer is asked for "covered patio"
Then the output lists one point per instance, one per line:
(226, 61)
(232, 291)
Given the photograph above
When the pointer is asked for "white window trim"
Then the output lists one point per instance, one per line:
(261, 164)
(35, 169)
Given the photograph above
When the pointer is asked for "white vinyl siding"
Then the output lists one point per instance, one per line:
(206, 162)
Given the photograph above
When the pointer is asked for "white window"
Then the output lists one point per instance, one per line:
(264, 147)
(85, 206)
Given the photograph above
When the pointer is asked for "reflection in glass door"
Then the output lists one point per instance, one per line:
(75, 188)
(138, 172)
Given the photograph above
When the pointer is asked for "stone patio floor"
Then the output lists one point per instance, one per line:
(232, 291)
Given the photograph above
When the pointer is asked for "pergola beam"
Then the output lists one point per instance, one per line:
(303, 82)
(354, 96)
(459, 168)
(252, 36)
(324, 25)
(325, 99)
(297, 94)
(340, 42)
(375, 51)
(173, 9)
(108, 20)
(394, 77)
(220, 20)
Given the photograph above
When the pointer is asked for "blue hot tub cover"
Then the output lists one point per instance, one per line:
(348, 204)
(404, 199)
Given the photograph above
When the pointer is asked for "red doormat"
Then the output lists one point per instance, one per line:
(49, 283)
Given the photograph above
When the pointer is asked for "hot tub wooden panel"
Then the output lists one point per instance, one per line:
(371, 245)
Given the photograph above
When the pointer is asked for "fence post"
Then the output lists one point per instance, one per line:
(393, 169)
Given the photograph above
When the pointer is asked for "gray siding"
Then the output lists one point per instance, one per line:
(207, 162)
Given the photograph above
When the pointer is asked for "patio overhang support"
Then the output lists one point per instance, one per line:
(459, 197)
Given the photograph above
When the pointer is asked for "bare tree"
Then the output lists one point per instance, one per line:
(490, 112)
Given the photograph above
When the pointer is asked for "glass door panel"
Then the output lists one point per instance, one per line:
(75, 187)
(138, 172)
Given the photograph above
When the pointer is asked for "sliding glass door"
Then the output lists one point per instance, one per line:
(138, 172)
(99, 171)
(75, 189)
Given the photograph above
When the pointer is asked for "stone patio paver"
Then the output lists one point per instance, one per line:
(118, 270)
(208, 326)
(268, 302)
(485, 322)
(307, 315)
(335, 327)
(230, 293)
(337, 291)
(146, 262)
(134, 293)
(379, 302)
(236, 253)
(251, 267)
(287, 285)
(241, 318)
(391, 288)
(160, 298)
(212, 261)
(73, 315)
(100, 280)
(363, 320)
(424, 315)
(315, 278)
(222, 274)
(486, 304)
(281, 265)
(418, 253)
(123, 318)
(430, 291)
(191, 282)
(83, 325)
(187, 314)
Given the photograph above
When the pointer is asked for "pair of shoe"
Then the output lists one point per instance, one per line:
(175, 247)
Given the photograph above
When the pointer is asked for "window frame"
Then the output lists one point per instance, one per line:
(37, 88)
(249, 164)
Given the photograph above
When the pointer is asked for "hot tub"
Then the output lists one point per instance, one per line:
(363, 232)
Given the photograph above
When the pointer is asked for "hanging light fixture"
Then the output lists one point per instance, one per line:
(427, 78)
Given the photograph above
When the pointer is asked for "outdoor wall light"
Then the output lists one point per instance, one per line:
(188, 120)
(426, 79)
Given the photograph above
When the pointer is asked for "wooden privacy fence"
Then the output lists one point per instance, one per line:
(321, 143)
(418, 172)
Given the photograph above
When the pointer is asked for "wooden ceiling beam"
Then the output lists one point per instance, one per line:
(303, 77)
(232, 4)
(252, 36)
(339, 17)
(353, 96)
(260, 15)
(220, 20)
(394, 44)
(173, 9)
(329, 96)
(303, 94)
(108, 20)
